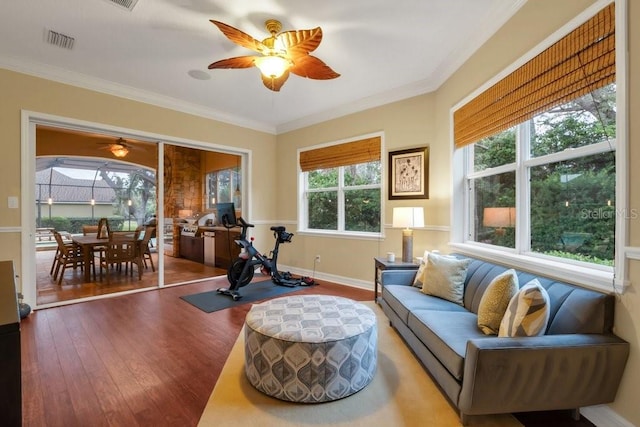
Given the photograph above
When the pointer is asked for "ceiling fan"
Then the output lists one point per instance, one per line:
(280, 54)
(120, 148)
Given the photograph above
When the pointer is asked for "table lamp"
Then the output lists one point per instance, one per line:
(499, 218)
(408, 218)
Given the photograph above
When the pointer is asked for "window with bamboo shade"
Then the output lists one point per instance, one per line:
(541, 143)
(582, 61)
(341, 187)
(349, 153)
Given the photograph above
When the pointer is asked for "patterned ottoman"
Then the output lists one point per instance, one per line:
(310, 348)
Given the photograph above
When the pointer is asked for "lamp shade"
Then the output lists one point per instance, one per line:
(407, 217)
(499, 217)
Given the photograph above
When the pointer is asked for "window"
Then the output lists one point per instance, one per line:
(224, 186)
(568, 172)
(535, 166)
(341, 187)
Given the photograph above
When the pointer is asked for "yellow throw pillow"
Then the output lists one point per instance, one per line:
(495, 300)
(444, 277)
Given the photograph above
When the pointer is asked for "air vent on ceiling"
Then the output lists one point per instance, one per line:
(127, 4)
(61, 40)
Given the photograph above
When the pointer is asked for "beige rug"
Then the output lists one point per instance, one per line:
(401, 394)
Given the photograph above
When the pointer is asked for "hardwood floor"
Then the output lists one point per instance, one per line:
(144, 359)
(176, 270)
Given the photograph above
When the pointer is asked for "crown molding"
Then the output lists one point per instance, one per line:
(454, 60)
(84, 81)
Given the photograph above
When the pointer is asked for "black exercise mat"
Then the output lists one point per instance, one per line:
(211, 301)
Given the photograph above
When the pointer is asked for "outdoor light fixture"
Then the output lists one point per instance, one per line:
(93, 202)
(499, 218)
(408, 218)
(50, 201)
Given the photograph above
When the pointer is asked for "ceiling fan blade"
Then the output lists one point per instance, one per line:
(301, 42)
(237, 62)
(312, 68)
(275, 84)
(240, 37)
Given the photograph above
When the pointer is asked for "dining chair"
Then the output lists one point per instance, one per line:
(67, 256)
(145, 248)
(104, 230)
(70, 245)
(121, 250)
(89, 229)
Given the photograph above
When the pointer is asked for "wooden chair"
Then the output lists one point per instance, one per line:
(104, 230)
(70, 246)
(145, 248)
(89, 229)
(67, 256)
(122, 249)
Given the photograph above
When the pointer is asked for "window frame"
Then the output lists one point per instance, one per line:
(235, 181)
(303, 207)
(589, 275)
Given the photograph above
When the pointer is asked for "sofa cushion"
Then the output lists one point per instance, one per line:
(527, 313)
(403, 299)
(495, 300)
(445, 333)
(444, 277)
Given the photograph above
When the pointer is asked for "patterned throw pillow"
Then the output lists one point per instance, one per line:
(528, 312)
(444, 277)
(417, 281)
(495, 300)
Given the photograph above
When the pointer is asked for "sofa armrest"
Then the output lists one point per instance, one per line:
(541, 373)
(397, 277)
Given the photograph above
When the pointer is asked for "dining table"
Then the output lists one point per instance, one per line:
(88, 244)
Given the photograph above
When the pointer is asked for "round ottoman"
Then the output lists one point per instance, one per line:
(310, 348)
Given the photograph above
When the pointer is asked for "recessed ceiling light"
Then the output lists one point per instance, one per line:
(199, 74)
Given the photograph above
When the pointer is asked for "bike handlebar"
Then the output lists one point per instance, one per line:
(244, 224)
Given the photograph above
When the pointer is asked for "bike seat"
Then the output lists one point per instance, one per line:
(278, 228)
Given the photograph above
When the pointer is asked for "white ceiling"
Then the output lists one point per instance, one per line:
(159, 52)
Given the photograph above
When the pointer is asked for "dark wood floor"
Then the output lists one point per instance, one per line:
(144, 359)
(73, 286)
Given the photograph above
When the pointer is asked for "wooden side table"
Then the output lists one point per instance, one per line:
(383, 264)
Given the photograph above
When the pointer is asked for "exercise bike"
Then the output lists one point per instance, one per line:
(241, 270)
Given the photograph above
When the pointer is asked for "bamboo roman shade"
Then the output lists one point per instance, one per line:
(349, 153)
(579, 63)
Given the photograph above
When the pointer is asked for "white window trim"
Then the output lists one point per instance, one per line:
(587, 275)
(302, 202)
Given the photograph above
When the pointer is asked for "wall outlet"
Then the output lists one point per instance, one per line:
(317, 258)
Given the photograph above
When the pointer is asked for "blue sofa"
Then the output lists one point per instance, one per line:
(578, 362)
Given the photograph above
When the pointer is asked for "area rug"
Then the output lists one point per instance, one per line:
(400, 394)
(211, 301)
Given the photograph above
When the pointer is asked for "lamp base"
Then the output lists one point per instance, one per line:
(407, 245)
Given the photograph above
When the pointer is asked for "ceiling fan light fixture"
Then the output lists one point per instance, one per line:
(119, 150)
(272, 66)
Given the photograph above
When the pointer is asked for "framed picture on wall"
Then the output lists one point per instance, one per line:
(409, 174)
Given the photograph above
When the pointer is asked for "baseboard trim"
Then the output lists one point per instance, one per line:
(604, 416)
(341, 280)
